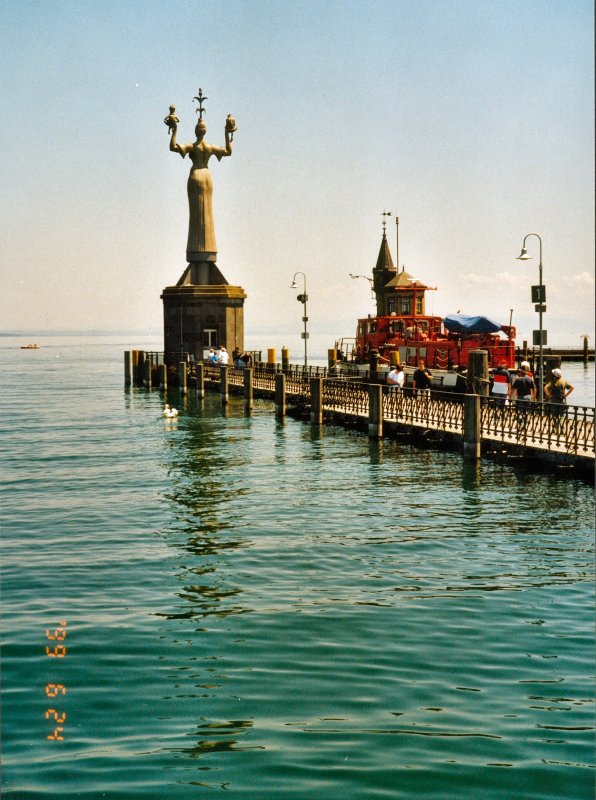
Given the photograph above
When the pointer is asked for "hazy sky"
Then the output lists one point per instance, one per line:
(471, 120)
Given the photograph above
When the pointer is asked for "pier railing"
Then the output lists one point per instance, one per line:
(560, 429)
(438, 411)
(554, 427)
(345, 397)
(551, 432)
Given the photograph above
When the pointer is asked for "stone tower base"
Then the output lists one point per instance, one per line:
(197, 317)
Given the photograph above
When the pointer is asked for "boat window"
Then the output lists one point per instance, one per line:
(405, 305)
(391, 305)
(419, 305)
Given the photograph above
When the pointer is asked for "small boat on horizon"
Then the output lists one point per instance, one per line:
(29, 347)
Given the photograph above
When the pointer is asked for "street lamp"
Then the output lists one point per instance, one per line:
(302, 298)
(366, 278)
(539, 298)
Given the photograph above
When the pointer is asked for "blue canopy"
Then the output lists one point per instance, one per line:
(460, 323)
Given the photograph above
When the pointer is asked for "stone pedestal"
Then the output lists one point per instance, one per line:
(199, 315)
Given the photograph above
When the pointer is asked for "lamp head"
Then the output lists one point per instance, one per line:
(523, 256)
(293, 285)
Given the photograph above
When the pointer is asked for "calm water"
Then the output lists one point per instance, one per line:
(254, 610)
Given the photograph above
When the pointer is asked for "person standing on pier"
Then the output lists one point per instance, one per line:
(422, 379)
(500, 385)
(395, 378)
(556, 391)
(523, 388)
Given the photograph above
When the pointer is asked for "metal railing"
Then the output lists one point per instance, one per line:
(549, 426)
(438, 410)
(559, 428)
(345, 396)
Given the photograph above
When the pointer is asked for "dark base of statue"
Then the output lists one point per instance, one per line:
(201, 312)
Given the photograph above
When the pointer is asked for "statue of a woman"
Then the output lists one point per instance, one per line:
(201, 244)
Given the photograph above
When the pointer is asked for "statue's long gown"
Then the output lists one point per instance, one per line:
(201, 229)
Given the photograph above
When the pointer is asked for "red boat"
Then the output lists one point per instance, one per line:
(402, 331)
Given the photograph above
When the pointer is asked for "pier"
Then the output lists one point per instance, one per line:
(478, 426)
(554, 354)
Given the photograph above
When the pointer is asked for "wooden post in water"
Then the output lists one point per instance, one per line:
(478, 382)
(585, 349)
(162, 371)
(200, 380)
(223, 384)
(373, 362)
(280, 394)
(147, 371)
(248, 400)
(138, 365)
(182, 377)
(316, 401)
(285, 359)
(375, 411)
(472, 428)
(127, 367)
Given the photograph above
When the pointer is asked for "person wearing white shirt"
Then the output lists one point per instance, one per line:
(395, 378)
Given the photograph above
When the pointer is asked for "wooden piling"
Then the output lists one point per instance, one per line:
(200, 380)
(280, 394)
(182, 377)
(147, 371)
(375, 411)
(332, 358)
(373, 364)
(478, 382)
(316, 401)
(162, 371)
(248, 394)
(127, 367)
(138, 365)
(586, 353)
(472, 429)
(223, 384)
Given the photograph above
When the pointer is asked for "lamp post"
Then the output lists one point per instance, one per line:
(539, 298)
(302, 298)
(366, 278)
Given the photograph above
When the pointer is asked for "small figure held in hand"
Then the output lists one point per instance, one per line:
(231, 126)
(172, 120)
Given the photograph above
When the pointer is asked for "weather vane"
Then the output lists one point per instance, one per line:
(385, 214)
(200, 110)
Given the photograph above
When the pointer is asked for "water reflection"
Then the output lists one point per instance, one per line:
(299, 556)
